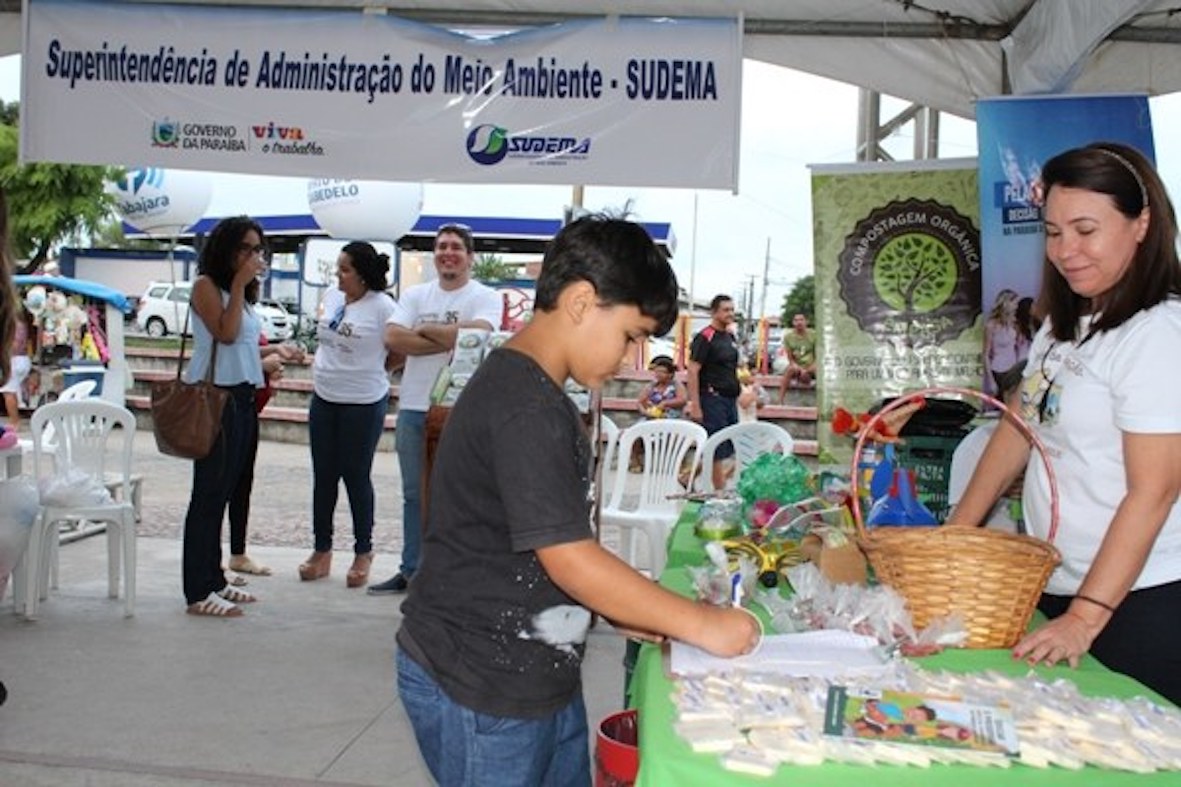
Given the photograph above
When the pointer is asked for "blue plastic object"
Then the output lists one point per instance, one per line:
(899, 506)
(883, 474)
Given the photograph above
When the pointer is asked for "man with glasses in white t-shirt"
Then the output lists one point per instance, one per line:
(423, 328)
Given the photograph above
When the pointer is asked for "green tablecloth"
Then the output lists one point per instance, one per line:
(665, 759)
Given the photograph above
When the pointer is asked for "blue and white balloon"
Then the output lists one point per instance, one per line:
(162, 202)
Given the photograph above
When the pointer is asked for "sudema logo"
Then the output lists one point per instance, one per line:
(487, 144)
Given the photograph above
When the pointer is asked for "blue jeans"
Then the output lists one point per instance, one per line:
(343, 439)
(469, 749)
(214, 479)
(410, 443)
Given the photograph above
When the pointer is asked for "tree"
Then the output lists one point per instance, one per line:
(48, 203)
(492, 267)
(801, 300)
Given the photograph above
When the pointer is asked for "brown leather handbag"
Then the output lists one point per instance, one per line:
(186, 417)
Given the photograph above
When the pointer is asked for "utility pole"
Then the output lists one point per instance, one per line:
(748, 305)
(766, 276)
(693, 257)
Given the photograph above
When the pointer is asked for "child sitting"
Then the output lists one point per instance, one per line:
(665, 395)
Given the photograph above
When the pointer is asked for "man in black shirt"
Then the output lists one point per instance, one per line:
(713, 380)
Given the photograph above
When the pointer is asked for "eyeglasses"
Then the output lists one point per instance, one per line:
(258, 248)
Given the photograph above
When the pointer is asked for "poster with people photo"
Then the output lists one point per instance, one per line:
(1016, 135)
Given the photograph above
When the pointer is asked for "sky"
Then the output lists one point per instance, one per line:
(724, 240)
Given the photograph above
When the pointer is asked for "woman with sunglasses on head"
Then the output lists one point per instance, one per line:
(1103, 392)
(225, 334)
(348, 408)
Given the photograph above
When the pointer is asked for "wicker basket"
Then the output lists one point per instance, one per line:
(993, 579)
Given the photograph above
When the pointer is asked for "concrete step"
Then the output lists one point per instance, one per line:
(285, 418)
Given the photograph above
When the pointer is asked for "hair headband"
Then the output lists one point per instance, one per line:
(1128, 166)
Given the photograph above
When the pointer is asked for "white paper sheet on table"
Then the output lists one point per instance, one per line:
(825, 653)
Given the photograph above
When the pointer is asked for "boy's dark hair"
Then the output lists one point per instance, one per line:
(221, 249)
(1129, 179)
(717, 301)
(664, 362)
(619, 260)
(369, 265)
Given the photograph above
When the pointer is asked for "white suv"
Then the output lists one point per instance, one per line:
(164, 306)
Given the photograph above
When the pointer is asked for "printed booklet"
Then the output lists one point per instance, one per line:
(902, 717)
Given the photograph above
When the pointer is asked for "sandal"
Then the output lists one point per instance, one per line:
(232, 594)
(234, 579)
(215, 606)
(244, 565)
(318, 566)
(358, 574)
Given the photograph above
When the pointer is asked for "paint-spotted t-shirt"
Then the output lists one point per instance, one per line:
(511, 476)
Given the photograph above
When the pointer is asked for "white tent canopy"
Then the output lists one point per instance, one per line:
(938, 53)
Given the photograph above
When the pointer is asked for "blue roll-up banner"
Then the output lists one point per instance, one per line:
(1016, 135)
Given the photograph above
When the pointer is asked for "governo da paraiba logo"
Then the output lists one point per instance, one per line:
(909, 273)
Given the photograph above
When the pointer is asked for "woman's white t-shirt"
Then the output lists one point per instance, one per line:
(1122, 380)
(349, 366)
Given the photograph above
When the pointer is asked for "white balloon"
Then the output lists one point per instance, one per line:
(162, 202)
(365, 209)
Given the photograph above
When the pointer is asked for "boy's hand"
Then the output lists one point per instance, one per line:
(729, 631)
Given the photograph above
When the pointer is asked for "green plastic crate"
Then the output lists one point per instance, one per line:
(930, 458)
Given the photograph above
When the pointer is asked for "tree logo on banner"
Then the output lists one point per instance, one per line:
(910, 273)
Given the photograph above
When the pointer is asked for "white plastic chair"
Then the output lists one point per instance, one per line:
(92, 434)
(79, 390)
(667, 443)
(608, 440)
(751, 440)
(83, 389)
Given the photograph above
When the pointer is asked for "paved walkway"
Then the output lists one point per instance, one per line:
(300, 691)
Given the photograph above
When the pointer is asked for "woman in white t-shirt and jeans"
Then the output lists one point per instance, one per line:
(350, 374)
(1102, 389)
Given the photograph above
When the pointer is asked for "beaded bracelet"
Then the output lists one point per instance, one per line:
(1095, 601)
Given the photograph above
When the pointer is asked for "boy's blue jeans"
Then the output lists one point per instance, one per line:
(468, 749)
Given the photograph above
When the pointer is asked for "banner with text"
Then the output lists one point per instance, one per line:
(617, 101)
(1016, 135)
(897, 258)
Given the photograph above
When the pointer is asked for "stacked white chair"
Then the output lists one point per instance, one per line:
(91, 435)
(654, 510)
